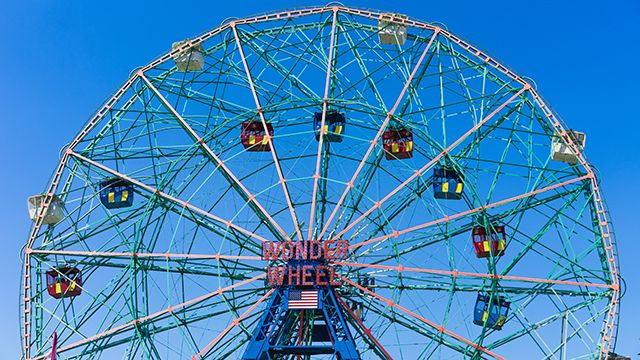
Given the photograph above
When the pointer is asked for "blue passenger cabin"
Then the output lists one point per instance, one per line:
(494, 315)
(367, 282)
(334, 125)
(116, 193)
(447, 184)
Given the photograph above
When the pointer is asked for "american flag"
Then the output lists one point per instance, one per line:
(303, 299)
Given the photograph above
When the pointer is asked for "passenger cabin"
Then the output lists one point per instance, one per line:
(253, 136)
(358, 309)
(489, 241)
(64, 282)
(560, 151)
(493, 312)
(367, 282)
(334, 125)
(55, 211)
(397, 143)
(116, 193)
(447, 184)
(188, 60)
(390, 32)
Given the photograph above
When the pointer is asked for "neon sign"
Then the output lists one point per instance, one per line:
(306, 262)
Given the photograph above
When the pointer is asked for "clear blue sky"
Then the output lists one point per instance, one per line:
(61, 59)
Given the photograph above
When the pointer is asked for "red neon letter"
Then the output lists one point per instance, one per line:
(287, 250)
(328, 250)
(320, 275)
(306, 275)
(294, 275)
(332, 277)
(341, 249)
(315, 250)
(301, 250)
(275, 274)
(270, 250)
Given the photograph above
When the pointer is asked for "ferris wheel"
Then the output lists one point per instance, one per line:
(330, 183)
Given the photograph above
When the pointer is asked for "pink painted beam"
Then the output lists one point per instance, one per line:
(374, 142)
(468, 212)
(219, 162)
(166, 255)
(153, 190)
(325, 100)
(366, 330)
(456, 273)
(234, 323)
(439, 328)
(168, 310)
(272, 147)
(420, 172)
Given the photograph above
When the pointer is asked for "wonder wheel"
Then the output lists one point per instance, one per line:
(322, 183)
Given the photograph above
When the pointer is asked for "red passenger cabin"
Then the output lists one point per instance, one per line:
(397, 143)
(488, 241)
(253, 136)
(64, 282)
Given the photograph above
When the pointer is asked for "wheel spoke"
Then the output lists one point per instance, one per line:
(244, 192)
(234, 323)
(440, 328)
(155, 315)
(374, 141)
(467, 212)
(420, 274)
(272, 147)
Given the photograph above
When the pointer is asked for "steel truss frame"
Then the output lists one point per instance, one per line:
(152, 102)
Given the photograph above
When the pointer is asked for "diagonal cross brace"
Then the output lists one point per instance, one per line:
(271, 335)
